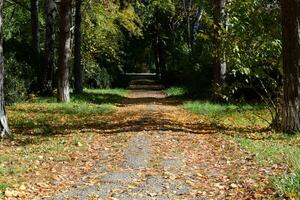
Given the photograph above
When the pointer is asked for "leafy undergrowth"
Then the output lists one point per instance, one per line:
(247, 125)
(175, 91)
(47, 135)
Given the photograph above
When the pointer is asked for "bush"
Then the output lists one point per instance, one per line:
(14, 85)
(96, 76)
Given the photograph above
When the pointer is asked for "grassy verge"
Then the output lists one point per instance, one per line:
(46, 133)
(279, 150)
(229, 114)
(270, 149)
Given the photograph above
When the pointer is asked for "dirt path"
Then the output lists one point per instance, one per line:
(164, 152)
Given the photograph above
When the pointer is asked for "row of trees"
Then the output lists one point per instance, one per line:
(235, 45)
(47, 68)
(49, 43)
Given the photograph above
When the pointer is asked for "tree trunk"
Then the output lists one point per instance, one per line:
(291, 65)
(35, 27)
(159, 58)
(187, 6)
(64, 51)
(198, 21)
(78, 69)
(156, 58)
(189, 30)
(219, 63)
(3, 120)
(49, 69)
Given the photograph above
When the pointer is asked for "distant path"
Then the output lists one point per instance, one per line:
(167, 153)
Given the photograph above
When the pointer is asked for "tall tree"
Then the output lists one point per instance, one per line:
(34, 9)
(78, 70)
(3, 120)
(291, 64)
(63, 90)
(49, 69)
(219, 63)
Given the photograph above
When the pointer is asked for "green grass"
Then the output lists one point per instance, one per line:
(2, 189)
(44, 116)
(94, 96)
(273, 151)
(279, 149)
(48, 132)
(270, 148)
(289, 185)
(230, 114)
(175, 91)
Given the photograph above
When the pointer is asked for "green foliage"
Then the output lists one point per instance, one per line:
(175, 91)
(96, 76)
(17, 21)
(104, 26)
(252, 44)
(14, 84)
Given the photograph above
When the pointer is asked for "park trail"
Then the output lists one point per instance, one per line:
(162, 152)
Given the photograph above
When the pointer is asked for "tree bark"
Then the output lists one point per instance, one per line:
(49, 69)
(78, 68)
(63, 90)
(291, 65)
(35, 27)
(4, 130)
(219, 63)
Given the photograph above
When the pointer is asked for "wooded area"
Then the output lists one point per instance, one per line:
(211, 58)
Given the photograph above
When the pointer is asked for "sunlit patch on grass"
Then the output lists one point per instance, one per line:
(270, 149)
(229, 114)
(46, 132)
(273, 151)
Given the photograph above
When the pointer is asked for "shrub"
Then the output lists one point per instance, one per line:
(95, 76)
(14, 85)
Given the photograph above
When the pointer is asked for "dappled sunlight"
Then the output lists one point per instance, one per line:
(74, 139)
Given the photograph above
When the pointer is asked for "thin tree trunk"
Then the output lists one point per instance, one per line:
(64, 51)
(291, 65)
(3, 120)
(198, 21)
(157, 58)
(49, 69)
(219, 63)
(189, 32)
(78, 69)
